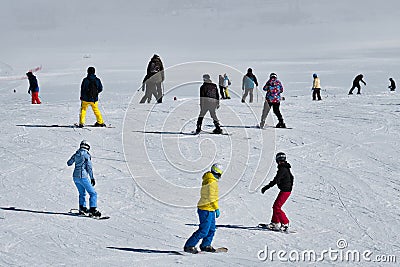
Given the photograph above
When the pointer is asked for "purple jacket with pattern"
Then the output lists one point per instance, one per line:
(274, 88)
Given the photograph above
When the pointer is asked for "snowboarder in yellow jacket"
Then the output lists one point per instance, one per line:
(208, 210)
(316, 88)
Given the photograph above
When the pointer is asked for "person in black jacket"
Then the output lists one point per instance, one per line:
(392, 85)
(91, 87)
(284, 180)
(33, 88)
(356, 84)
(209, 101)
(152, 82)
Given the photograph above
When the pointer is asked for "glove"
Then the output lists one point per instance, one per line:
(142, 87)
(29, 91)
(217, 213)
(265, 188)
(93, 182)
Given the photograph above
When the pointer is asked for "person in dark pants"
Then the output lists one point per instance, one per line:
(284, 180)
(356, 84)
(153, 80)
(316, 88)
(209, 102)
(392, 85)
(248, 83)
(274, 88)
(33, 88)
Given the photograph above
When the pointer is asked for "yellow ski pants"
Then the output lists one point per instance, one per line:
(96, 111)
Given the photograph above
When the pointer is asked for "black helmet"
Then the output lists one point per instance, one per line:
(249, 70)
(273, 75)
(280, 157)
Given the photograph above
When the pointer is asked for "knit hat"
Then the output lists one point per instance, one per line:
(206, 78)
(91, 70)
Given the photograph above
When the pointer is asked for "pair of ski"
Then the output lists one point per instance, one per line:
(76, 212)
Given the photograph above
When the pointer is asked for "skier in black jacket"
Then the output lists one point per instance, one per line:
(284, 180)
(356, 84)
(209, 101)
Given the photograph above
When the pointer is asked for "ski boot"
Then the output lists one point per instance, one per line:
(93, 212)
(80, 125)
(207, 249)
(192, 250)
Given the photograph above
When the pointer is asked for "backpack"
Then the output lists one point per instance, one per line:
(92, 90)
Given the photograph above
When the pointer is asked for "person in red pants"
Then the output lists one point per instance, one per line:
(33, 88)
(284, 180)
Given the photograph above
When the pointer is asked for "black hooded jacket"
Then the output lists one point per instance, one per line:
(283, 178)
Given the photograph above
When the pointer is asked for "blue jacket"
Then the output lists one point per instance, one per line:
(83, 164)
(85, 88)
(249, 81)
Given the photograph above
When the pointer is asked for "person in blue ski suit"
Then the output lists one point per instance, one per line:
(82, 172)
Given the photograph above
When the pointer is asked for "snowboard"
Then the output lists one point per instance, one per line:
(209, 132)
(217, 250)
(76, 212)
(271, 127)
(90, 125)
(263, 226)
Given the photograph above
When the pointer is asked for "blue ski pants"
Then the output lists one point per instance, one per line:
(83, 185)
(206, 229)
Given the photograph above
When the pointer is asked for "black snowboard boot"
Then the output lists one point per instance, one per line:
(207, 249)
(93, 212)
(199, 123)
(262, 123)
(192, 250)
(281, 124)
(83, 210)
(217, 129)
(99, 124)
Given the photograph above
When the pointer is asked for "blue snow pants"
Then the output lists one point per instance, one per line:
(206, 229)
(83, 185)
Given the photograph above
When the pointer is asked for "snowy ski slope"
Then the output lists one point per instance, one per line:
(344, 150)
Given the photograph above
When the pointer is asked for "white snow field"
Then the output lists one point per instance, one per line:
(344, 150)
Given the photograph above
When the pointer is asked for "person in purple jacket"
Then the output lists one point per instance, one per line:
(274, 88)
(82, 172)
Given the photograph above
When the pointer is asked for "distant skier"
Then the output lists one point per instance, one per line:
(82, 172)
(209, 102)
(153, 80)
(274, 88)
(208, 210)
(224, 83)
(284, 180)
(316, 88)
(90, 88)
(356, 84)
(248, 84)
(33, 88)
(392, 85)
